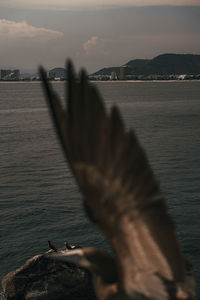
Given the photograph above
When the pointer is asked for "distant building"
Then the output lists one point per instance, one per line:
(113, 76)
(9, 75)
(16, 74)
(124, 71)
(4, 74)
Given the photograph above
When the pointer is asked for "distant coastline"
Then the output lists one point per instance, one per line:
(105, 81)
(164, 67)
(161, 67)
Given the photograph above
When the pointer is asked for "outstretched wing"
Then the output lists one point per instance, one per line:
(119, 189)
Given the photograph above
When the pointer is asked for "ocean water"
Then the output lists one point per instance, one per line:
(39, 198)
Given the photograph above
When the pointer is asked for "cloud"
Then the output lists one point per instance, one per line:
(14, 30)
(90, 44)
(90, 4)
(24, 45)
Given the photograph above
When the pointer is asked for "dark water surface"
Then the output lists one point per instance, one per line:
(39, 197)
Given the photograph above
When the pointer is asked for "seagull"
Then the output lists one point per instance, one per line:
(51, 246)
(121, 195)
(71, 247)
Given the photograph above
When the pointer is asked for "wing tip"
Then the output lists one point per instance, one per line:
(43, 73)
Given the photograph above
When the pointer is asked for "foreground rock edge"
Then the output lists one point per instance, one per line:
(43, 279)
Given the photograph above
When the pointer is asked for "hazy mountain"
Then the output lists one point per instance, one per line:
(58, 73)
(162, 65)
(107, 71)
(137, 63)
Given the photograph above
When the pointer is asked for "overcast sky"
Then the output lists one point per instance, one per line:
(94, 33)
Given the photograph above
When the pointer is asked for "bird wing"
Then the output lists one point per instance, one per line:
(120, 192)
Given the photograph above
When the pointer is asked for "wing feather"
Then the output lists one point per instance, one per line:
(118, 185)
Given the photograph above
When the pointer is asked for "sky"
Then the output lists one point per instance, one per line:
(94, 33)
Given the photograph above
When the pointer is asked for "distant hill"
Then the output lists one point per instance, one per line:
(58, 73)
(137, 63)
(163, 64)
(107, 71)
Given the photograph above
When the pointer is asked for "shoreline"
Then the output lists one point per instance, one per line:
(195, 80)
(107, 81)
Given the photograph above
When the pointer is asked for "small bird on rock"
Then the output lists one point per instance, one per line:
(51, 246)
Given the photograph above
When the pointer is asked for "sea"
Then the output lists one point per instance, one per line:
(39, 198)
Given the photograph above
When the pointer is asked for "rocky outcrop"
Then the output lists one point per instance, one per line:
(2, 296)
(43, 279)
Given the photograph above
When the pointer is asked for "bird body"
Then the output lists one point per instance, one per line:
(121, 195)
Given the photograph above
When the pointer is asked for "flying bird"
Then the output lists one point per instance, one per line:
(121, 195)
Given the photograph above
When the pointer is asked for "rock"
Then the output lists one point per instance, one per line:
(43, 279)
(2, 296)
